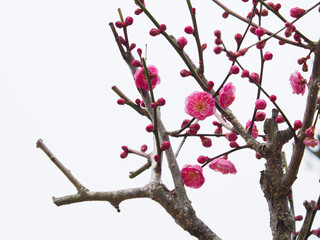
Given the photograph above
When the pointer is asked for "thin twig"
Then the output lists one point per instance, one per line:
(40, 144)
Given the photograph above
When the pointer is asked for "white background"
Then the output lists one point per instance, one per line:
(58, 62)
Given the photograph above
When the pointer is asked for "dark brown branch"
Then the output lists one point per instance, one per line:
(81, 189)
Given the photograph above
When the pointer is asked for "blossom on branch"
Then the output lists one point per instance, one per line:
(223, 165)
(192, 176)
(311, 142)
(254, 129)
(226, 95)
(141, 78)
(296, 12)
(200, 105)
(298, 83)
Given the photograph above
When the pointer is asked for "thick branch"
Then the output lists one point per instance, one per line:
(299, 147)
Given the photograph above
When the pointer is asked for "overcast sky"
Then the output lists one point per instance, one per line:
(58, 62)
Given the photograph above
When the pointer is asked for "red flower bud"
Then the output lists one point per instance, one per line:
(202, 159)
(210, 85)
(165, 145)
(143, 148)
(154, 32)
(162, 28)
(217, 50)
(132, 46)
(123, 154)
(188, 30)
(128, 21)
(273, 98)
(185, 73)
(182, 42)
(136, 63)
(121, 101)
(161, 102)
(156, 158)
(217, 33)
(150, 128)
(185, 122)
(125, 148)
(119, 24)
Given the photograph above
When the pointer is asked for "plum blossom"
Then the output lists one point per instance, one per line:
(141, 78)
(298, 83)
(226, 95)
(254, 129)
(200, 105)
(223, 165)
(192, 176)
(311, 142)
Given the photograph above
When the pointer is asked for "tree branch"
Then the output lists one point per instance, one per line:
(299, 147)
(307, 220)
(81, 189)
(113, 197)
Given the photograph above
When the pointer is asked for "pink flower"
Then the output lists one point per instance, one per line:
(223, 165)
(296, 12)
(182, 42)
(200, 105)
(310, 131)
(298, 83)
(311, 142)
(261, 104)
(141, 78)
(192, 176)
(254, 129)
(226, 95)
